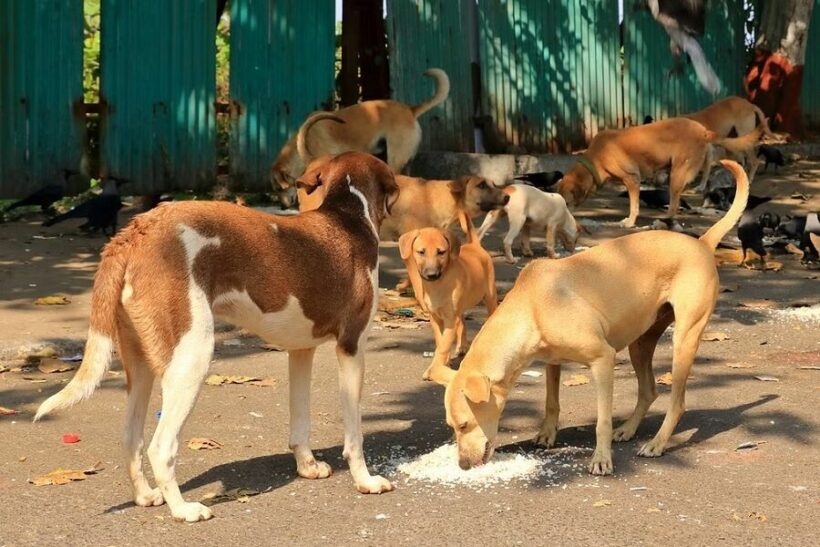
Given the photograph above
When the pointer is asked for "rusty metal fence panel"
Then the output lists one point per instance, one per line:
(810, 96)
(433, 33)
(282, 55)
(42, 129)
(550, 70)
(650, 89)
(157, 91)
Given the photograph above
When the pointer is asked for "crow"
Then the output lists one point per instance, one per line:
(722, 198)
(750, 228)
(771, 155)
(683, 21)
(543, 180)
(648, 119)
(656, 198)
(802, 228)
(45, 196)
(100, 211)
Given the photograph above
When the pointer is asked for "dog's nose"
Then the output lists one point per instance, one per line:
(506, 199)
(464, 464)
(431, 275)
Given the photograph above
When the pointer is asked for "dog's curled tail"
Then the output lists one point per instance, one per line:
(714, 234)
(746, 142)
(105, 298)
(442, 90)
(301, 137)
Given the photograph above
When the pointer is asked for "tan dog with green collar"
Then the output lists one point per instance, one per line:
(585, 308)
(448, 279)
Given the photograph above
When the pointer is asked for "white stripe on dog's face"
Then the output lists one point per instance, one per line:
(288, 328)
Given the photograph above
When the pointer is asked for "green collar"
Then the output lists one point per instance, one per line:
(583, 160)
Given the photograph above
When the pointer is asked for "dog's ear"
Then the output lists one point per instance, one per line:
(310, 181)
(453, 242)
(580, 228)
(459, 186)
(442, 375)
(406, 243)
(391, 191)
(477, 388)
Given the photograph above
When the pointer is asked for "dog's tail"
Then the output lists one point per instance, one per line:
(746, 142)
(105, 298)
(714, 234)
(467, 226)
(301, 137)
(761, 119)
(442, 90)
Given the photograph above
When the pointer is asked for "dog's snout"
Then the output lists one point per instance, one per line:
(431, 275)
(464, 464)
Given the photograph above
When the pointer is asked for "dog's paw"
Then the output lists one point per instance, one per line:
(651, 449)
(510, 259)
(601, 464)
(149, 499)
(627, 223)
(546, 437)
(623, 433)
(375, 484)
(527, 252)
(313, 469)
(191, 512)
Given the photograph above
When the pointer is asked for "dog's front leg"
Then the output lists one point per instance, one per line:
(444, 344)
(526, 249)
(300, 365)
(489, 220)
(602, 372)
(549, 427)
(351, 376)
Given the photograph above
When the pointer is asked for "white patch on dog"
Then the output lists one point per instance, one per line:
(274, 228)
(288, 328)
(355, 191)
(127, 290)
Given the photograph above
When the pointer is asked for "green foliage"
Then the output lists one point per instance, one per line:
(91, 51)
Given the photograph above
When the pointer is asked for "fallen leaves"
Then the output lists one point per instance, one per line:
(576, 380)
(767, 378)
(203, 443)
(753, 515)
(49, 365)
(70, 438)
(809, 367)
(602, 503)
(664, 379)
(731, 287)
(714, 336)
(749, 445)
(758, 304)
(8, 411)
(739, 365)
(52, 300)
(218, 380)
(65, 476)
(241, 495)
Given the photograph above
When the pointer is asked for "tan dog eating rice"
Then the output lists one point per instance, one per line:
(584, 309)
(295, 281)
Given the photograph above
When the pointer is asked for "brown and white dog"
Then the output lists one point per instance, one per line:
(624, 292)
(528, 209)
(367, 126)
(295, 281)
(637, 153)
(448, 280)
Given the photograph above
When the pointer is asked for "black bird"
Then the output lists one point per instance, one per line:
(750, 229)
(648, 119)
(771, 155)
(801, 228)
(543, 180)
(45, 196)
(684, 21)
(100, 211)
(656, 198)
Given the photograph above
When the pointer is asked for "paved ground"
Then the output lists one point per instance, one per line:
(702, 492)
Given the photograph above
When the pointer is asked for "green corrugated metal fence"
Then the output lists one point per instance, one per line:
(282, 56)
(433, 33)
(649, 89)
(157, 88)
(810, 96)
(550, 70)
(42, 128)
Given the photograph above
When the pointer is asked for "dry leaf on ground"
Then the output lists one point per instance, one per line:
(65, 476)
(202, 443)
(218, 380)
(731, 287)
(809, 367)
(576, 380)
(265, 382)
(767, 378)
(51, 366)
(53, 300)
(714, 336)
(234, 494)
(758, 304)
(664, 379)
(8, 411)
(602, 503)
(739, 365)
(35, 380)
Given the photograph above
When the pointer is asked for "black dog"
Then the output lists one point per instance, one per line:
(543, 181)
(656, 198)
(771, 155)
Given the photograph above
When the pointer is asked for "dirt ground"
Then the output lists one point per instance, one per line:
(701, 492)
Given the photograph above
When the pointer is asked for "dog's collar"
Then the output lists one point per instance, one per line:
(589, 166)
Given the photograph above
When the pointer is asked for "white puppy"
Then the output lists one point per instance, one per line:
(528, 208)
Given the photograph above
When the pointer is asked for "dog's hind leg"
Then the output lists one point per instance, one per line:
(641, 352)
(401, 148)
(351, 376)
(516, 224)
(705, 168)
(300, 366)
(181, 383)
(549, 427)
(526, 249)
(140, 381)
(689, 326)
(550, 236)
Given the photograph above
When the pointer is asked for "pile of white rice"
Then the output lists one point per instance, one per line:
(807, 314)
(441, 467)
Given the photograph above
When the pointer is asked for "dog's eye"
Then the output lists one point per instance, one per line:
(440, 252)
(482, 184)
(463, 425)
(420, 252)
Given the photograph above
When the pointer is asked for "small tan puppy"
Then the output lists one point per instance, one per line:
(447, 281)
(637, 153)
(367, 127)
(529, 209)
(622, 293)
